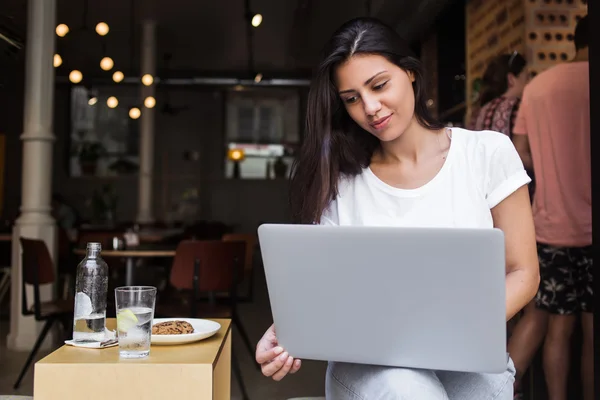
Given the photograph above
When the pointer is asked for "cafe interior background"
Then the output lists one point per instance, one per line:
(177, 119)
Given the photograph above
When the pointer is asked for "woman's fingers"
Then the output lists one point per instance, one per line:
(287, 366)
(270, 368)
(296, 366)
(264, 356)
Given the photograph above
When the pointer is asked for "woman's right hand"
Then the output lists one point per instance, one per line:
(273, 359)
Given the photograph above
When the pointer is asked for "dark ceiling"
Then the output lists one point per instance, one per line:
(205, 37)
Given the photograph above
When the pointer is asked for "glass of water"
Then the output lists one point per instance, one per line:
(135, 312)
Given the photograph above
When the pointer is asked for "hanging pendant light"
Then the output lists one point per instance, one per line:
(147, 79)
(112, 102)
(102, 28)
(135, 113)
(75, 76)
(118, 76)
(149, 102)
(62, 30)
(256, 20)
(106, 63)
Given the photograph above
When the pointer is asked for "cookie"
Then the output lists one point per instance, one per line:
(172, 328)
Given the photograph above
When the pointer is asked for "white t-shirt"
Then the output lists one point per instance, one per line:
(482, 168)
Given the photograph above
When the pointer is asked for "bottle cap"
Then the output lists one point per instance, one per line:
(94, 246)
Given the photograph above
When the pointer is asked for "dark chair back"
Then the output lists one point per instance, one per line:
(246, 289)
(208, 265)
(250, 240)
(38, 269)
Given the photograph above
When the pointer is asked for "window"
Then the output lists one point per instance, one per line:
(262, 133)
(103, 140)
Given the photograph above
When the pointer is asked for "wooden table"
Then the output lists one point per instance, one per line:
(156, 235)
(130, 255)
(199, 371)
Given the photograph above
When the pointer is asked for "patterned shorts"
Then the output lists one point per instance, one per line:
(566, 284)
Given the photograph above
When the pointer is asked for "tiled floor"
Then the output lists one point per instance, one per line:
(256, 318)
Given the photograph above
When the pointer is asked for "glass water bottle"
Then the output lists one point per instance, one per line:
(91, 289)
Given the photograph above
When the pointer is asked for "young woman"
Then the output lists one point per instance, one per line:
(373, 155)
(503, 83)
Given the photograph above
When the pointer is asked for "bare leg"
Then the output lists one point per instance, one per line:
(527, 337)
(557, 352)
(587, 355)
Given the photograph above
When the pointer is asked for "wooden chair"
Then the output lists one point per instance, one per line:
(5, 273)
(67, 265)
(38, 269)
(251, 241)
(207, 266)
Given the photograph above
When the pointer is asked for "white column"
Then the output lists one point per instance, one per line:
(146, 177)
(35, 220)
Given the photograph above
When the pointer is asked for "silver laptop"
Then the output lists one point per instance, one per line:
(430, 298)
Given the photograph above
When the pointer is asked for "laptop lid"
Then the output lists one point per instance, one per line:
(429, 298)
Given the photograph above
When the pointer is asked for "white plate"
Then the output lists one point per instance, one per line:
(203, 328)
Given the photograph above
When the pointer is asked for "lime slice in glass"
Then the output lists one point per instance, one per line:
(126, 320)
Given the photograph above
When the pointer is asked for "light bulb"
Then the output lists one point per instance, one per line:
(92, 100)
(106, 63)
(102, 28)
(236, 155)
(118, 76)
(149, 102)
(256, 20)
(258, 78)
(62, 30)
(135, 113)
(147, 79)
(75, 76)
(57, 60)
(112, 102)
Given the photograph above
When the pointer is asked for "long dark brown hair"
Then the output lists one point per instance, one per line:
(495, 78)
(334, 145)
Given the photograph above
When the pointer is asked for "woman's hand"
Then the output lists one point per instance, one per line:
(273, 359)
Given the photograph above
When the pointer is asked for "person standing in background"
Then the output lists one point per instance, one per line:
(502, 87)
(503, 83)
(552, 134)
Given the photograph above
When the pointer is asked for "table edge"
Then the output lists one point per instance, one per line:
(227, 332)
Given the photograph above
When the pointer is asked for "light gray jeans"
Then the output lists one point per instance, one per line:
(345, 381)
